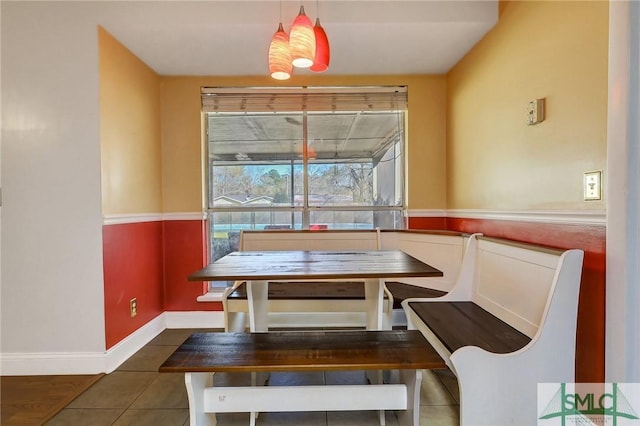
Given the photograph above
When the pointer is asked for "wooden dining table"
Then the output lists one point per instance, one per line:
(257, 268)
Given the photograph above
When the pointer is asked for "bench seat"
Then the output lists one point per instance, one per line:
(402, 291)
(204, 354)
(349, 290)
(458, 324)
(303, 351)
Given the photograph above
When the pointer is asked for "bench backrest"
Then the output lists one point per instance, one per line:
(366, 239)
(511, 280)
(441, 249)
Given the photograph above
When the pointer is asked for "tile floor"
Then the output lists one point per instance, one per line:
(136, 394)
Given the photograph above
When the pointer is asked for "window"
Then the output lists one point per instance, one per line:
(329, 158)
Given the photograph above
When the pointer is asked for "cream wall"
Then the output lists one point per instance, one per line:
(129, 131)
(52, 298)
(554, 50)
(182, 129)
(623, 206)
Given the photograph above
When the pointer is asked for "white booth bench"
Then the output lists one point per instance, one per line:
(508, 324)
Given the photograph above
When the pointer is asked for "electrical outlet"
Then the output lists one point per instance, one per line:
(133, 307)
(593, 185)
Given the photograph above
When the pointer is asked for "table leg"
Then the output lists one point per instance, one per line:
(258, 300)
(373, 298)
(196, 384)
(413, 380)
(373, 295)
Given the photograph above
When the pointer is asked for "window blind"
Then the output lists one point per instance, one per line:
(294, 99)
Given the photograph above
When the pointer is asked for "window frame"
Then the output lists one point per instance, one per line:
(305, 209)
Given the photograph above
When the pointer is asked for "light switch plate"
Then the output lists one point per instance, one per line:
(593, 185)
(535, 111)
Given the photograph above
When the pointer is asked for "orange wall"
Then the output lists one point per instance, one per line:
(558, 51)
(182, 149)
(129, 131)
(133, 261)
(539, 49)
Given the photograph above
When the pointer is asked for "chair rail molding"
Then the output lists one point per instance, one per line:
(569, 217)
(118, 219)
(425, 213)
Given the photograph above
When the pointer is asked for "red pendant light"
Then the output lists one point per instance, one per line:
(302, 41)
(280, 66)
(323, 53)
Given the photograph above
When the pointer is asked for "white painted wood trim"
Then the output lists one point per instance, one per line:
(426, 213)
(46, 364)
(575, 217)
(211, 296)
(194, 319)
(304, 398)
(306, 306)
(300, 318)
(118, 219)
(566, 217)
(131, 344)
(184, 216)
(205, 399)
(317, 319)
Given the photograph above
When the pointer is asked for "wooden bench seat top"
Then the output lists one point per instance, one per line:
(303, 351)
(402, 291)
(350, 290)
(458, 324)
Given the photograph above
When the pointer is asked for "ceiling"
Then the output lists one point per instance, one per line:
(231, 38)
(218, 37)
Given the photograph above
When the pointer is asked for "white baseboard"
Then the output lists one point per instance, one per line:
(131, 344)
(56, 363)
(135, 341)
(195, 319)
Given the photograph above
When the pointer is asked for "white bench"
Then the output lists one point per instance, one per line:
(343, 306)
(441, 249)
(205, 354)
(508, 324)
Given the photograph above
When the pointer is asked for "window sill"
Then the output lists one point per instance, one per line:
(210, 297)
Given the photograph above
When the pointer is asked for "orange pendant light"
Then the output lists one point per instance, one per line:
(302, 41)
(280, 66)
(323, 53)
